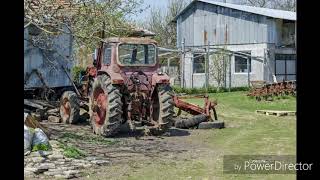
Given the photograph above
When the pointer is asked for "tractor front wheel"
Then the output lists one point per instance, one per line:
(69, 107)
(106, 107)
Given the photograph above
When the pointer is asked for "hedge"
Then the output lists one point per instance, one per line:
(211, 89)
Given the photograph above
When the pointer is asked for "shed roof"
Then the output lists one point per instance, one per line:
(274, 13)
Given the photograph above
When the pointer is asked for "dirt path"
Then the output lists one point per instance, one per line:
(128, 152)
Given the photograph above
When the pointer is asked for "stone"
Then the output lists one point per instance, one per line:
(59, 162)
(38, 159)
(64, 176)
(62, 160)
(56, 157)
(91, 158)
(71, 172)
(40, 153)
(30, 169)
(87, 165)
(52, 173)
(46, 166)
(64, 168)
(28, 173)
(29, 165)
(100, 162)
(54, 119)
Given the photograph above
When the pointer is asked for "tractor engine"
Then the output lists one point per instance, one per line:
(138, 101)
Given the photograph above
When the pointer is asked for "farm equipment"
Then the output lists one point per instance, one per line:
(125, 86)
(201, 116)
(262, 90)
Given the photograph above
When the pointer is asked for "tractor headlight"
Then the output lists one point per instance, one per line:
(160, 73)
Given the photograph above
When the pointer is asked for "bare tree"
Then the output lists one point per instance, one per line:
(160, 22)
(288, 5)
(217, 66)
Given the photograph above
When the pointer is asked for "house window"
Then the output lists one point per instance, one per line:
(285, 67)
(240, 62)
(198, 63)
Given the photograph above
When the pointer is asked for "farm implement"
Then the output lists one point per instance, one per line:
(261, 90)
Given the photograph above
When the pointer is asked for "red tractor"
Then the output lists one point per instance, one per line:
(127, 87)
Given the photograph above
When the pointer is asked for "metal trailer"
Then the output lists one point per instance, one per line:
(46, 71)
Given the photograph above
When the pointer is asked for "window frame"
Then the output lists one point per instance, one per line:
(197, 55)
(242, 56)
(137, 65)
(104, 51)
(285, 64)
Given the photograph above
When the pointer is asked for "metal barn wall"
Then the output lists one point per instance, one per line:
(221, 25)
(48, 64)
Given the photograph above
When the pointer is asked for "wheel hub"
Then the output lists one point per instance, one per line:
(100, 106)
(66, 109)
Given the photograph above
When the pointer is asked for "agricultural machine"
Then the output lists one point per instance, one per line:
(125, 86)
(261, 90)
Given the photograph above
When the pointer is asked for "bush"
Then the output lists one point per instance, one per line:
(211, 89)
(76, 72)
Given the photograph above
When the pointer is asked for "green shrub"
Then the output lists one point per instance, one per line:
(76, 72)
(41, 147)
(71, 152)
(203, 90)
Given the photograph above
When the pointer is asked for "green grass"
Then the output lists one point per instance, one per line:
(246, 133)
(89, 139)
(72, 152)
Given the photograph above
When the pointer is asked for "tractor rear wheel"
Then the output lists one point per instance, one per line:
(69, 107)
(163, 109)
(106, 107)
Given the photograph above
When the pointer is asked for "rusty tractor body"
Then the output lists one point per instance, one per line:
(127, 87)
(261, 90)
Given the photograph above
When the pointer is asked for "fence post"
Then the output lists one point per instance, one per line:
(207, 66)
(229, 73)
(248, 71)
(182, 63)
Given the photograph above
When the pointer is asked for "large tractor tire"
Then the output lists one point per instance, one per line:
(69, 107)
(190, 122)
(106, 107)
(163, 109)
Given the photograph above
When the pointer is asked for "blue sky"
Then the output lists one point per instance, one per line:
(150, 4)
(158, 3)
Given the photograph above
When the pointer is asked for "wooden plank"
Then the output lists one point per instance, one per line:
(35, 105)
(276, 113)
(43, 103)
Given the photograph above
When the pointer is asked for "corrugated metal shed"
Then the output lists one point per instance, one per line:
(202, 23)
(274, 13)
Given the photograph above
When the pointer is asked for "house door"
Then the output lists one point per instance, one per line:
(285, 67)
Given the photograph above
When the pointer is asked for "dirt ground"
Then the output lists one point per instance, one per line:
(129, 151)
(189, 154)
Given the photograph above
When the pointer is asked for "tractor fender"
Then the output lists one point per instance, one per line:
(116, 78)
(160, 79)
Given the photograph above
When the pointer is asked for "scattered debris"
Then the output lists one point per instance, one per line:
(28, 135)
(31, 122)
(40, 141)
(54, 119)
(262, 90)
(55, 164)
